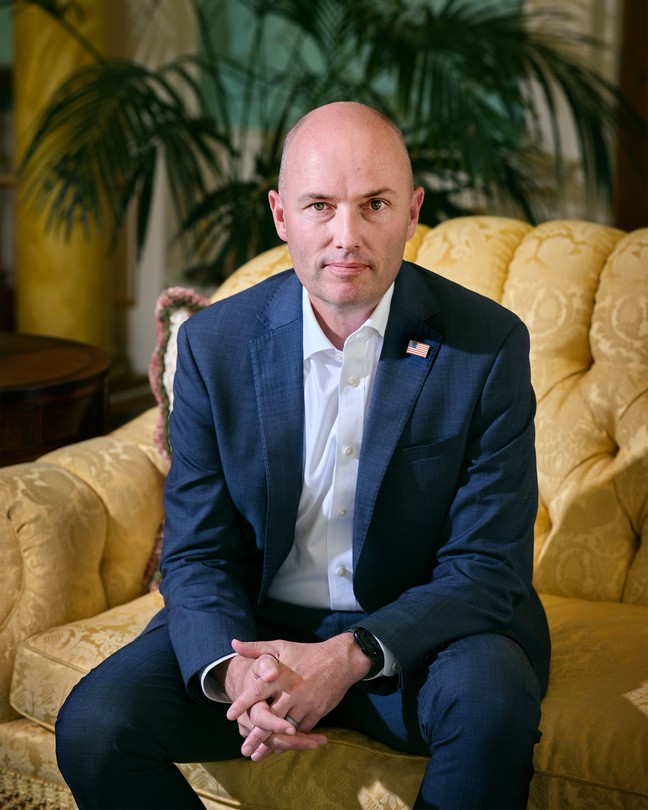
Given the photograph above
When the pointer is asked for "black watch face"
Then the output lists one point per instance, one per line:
(371, 649)
(366, 642)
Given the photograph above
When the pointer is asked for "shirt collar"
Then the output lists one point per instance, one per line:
(316, 341)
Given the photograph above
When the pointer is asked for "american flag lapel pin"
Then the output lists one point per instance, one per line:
(417, 348)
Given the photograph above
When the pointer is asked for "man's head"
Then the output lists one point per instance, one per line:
(346, 206)
(347, 108)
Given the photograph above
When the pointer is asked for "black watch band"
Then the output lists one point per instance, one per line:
(372, 649)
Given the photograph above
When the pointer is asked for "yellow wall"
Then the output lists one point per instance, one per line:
(64, 289)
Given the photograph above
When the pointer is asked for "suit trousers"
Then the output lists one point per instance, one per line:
(474, 711)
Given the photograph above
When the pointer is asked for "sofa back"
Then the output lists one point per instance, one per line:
(77, 526)
(582, 290)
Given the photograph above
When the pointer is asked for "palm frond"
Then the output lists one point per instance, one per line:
(471, 82)
(96, 145)
(228, 223)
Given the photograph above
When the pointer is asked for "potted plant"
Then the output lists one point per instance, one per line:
(466, 81)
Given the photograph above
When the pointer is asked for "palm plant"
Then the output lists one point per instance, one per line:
(464, 79)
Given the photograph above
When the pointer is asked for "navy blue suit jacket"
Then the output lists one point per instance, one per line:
(446, 491)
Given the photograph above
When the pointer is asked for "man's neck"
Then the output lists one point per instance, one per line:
(338, 325)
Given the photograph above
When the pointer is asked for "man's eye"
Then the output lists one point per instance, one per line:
(319, 206)
(376, 205)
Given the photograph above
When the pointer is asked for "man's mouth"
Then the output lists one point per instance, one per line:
(346, 267)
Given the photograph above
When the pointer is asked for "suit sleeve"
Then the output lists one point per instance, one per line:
(485, 550)
(206, 552)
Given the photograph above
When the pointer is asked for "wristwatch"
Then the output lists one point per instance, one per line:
(372, 649)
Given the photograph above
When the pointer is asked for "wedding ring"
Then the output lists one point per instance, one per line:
(291, 721)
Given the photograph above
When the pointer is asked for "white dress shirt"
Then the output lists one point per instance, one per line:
(318, 571)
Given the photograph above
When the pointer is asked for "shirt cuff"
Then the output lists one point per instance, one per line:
(210, 685)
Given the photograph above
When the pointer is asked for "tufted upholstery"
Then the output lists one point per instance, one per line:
(582, 289)
(78, 525)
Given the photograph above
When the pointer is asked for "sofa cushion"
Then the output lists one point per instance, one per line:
(595, 714)
(50, 663)
(350, 771)
(29, 776)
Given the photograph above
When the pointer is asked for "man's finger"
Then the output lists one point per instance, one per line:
(267, 668)
(278, 743)
(260, 714)
(259, 690)
(253, 649)
(253, 741)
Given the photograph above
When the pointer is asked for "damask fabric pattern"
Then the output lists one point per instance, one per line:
(50, 663)
(29, 776)
(594, 715)
(587, 311)
(581, 289)
(261, 267)
(53, 528)
(139, 432)
(352, 772)
(131, 491)
(77, 529)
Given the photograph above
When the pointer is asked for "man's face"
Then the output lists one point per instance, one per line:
(346, 209)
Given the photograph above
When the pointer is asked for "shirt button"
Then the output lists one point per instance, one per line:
(353, 382)
(343, 512)
(348, 451)
(341, 571)
(339, 358)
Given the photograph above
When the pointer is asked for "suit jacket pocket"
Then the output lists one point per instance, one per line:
(441, 446)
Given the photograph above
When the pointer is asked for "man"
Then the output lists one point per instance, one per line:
(349, 513)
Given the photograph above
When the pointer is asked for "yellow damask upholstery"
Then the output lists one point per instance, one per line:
(594, 665)
(78, 525)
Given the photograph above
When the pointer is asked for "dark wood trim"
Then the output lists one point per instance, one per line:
(631, 198)
(53, 392)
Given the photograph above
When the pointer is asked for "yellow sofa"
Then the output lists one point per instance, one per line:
(78, 525)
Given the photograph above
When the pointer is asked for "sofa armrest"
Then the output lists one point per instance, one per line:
(140, 431)
(52, 534)
(130, 489)
(77, 528)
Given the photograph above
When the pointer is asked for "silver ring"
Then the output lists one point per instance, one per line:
(291, 721)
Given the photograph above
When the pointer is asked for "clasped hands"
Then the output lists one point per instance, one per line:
(270, 681)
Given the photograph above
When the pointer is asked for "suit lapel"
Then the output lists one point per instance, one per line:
(277, 360)
(399, 380)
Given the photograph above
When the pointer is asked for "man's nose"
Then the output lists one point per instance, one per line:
(347, 226)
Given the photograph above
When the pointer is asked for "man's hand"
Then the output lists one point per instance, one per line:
(268, 732)
(306, 682)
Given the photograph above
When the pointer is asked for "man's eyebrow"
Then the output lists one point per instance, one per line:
(385, 191)
(379, 192)
(313, 197)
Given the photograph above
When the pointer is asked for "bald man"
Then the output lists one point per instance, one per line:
(349, 513)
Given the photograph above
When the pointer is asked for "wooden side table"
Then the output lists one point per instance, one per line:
(53, 392)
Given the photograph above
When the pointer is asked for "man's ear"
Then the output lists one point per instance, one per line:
(276, 206)
(415, 208)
